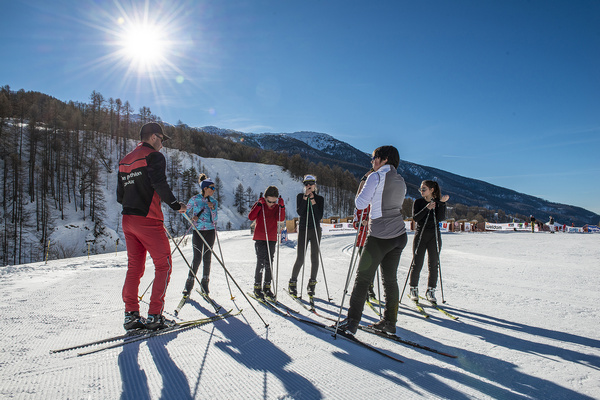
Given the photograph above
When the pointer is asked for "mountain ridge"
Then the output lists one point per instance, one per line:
(325, 148)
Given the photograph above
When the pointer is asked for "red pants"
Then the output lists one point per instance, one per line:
(146, 235)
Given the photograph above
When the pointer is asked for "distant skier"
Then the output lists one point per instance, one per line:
(427, 237)
(202, 209)
(142, 184)
(267, 213)
(532, 218)
(551, 224)
(384, 189)
(309, 206)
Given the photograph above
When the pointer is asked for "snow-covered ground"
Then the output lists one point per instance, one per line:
(528, 329)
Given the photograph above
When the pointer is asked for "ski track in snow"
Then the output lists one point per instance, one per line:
(528, 329)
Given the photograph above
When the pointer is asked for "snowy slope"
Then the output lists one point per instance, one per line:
(528, 329)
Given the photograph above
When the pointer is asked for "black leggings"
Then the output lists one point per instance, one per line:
(262, 260)
(313, 238)
(383, 253)
(426, 240)
(201, 253)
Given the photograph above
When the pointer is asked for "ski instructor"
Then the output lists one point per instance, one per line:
(384, 190)
(142, 184)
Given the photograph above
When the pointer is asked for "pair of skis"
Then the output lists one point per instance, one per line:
(204, 295)
(143, 334)
(274, 305)
(433, 305)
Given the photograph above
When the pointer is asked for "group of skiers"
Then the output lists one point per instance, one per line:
(142, 184)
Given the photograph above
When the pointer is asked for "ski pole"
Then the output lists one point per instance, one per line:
(305, 246)
(188, 264)
(226, 270)
(319, 250)
(278, 242)
(212, 216)
(268, 244)
(439, 250)
(351, 268)
(412, 263)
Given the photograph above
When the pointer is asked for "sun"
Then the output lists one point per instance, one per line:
(144, 46)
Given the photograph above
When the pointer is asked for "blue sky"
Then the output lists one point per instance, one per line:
(503, 91)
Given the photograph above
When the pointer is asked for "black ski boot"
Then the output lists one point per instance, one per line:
(267, 291)
(133, 321)
(372, 292)
(292, 288)
(258, 293)
(155, 322)
(348, 325)
(310, 289)
(384, 326)
(204, 284)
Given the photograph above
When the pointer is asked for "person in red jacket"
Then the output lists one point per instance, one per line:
(268, 212)
(142, 184)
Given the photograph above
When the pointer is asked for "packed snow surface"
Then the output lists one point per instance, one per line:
(527, 329)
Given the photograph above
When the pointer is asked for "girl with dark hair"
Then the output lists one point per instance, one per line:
(427, 212)
(268, 212)
(309, 206)
(202, 209)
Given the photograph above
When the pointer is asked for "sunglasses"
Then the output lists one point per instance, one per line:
(423, 189)
(309, 183)
(271, 202)
(211, 187)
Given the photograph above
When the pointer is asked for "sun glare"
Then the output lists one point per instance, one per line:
(144, 46)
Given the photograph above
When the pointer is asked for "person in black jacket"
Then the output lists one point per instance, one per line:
(428, 211)
(142, 185)
(309, 206)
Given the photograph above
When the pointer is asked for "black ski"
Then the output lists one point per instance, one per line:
(209, 300)
(267, 304)
(177, 328)
(132, 334)
(312, 309)
(345, 335)
(398, 339)
(277, 303)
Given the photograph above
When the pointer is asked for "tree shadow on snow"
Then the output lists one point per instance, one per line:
(259, 354)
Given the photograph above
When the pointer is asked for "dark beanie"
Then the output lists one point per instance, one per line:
(152, 127)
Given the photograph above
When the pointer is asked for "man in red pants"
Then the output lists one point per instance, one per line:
(141, 187)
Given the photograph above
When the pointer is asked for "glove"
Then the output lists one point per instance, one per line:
(262, 201)
(280, 202)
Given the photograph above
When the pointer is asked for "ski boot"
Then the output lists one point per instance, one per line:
(384, 326)
(348, 325)
(414, 294)
(155, 322)
(430, 295)
(204, 284)
(371, 292)
(267, 291)
(310, 289)
(258, 293)
(292, 288)
(133, 321)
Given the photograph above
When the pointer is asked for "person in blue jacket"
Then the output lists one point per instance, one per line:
(202, 210)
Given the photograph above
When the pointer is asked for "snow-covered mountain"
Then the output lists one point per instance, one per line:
(321, 147)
